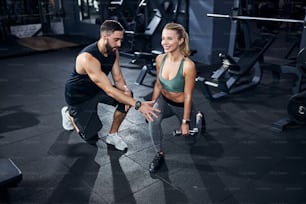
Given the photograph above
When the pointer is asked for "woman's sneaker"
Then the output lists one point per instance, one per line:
(67, 124)
(157, 162)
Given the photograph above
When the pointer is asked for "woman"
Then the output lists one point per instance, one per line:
(175, 80)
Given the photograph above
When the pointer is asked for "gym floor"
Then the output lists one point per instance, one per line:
(239, 160)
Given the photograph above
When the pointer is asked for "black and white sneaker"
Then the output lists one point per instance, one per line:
(157, 162)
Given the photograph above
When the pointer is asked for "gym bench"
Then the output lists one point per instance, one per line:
(233, 77)
(149, 64)
(10, 174)
(296, 106)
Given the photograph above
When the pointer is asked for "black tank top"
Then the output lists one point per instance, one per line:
(79, 87)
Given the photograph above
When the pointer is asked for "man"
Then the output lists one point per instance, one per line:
(89, 85)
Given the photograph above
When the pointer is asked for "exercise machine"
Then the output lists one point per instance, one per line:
(296, 106)
(146, 21)
(236, 74)
(149, 65)
(147, 56)
(245, 72)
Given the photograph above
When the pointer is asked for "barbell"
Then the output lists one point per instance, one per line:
(254, 18)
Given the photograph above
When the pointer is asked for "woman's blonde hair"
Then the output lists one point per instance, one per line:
(180, 30)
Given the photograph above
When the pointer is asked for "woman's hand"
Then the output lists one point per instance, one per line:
(185, 129)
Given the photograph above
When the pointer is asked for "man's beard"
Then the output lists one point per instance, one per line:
(109, 49)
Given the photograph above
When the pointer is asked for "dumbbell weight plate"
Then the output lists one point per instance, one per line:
(297, 108)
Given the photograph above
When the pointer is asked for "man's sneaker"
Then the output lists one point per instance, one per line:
(67, 124)
(157, 162)
(115, 140)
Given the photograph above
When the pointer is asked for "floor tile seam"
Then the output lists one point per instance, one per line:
(280, 161)
(172, 141)
(232, 172)
(62, 87)
(137, 191)
(174, 172)
(83, 180)
(66, 164)
(143, 168)
(26, 52)
(232, 149)
(221, 167)
(250, 136)
(26, 108)
(140, 150)
(232, 195)
(30, 195)
(19, 140)
(92, 189)
(139, 126)
(45, 90)
(29, 137)
(159, 178)
(250, 181)
(254, 137)
(134, 160)
(123, 156)
(133, 122)
(36, 72)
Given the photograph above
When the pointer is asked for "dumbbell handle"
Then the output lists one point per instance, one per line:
(191, 132)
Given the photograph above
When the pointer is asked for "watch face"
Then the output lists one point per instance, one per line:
(137, 105)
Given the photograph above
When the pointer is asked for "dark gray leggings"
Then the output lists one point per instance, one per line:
(167, 109)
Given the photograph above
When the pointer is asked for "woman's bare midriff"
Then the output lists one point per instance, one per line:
(176, 97)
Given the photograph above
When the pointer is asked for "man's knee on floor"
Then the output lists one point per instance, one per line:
(89, 138)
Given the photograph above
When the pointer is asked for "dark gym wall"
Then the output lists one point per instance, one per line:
(200, 28)
(72, 23)
(221, 30)
(207, 35)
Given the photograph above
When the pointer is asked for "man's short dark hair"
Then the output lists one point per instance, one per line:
(111, 26)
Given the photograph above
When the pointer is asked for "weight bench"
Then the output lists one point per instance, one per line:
(233, 77)
(10, 174)
(296, 106)
(149, 64)
(144, 39)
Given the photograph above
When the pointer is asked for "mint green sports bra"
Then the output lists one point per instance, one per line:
(177, 83)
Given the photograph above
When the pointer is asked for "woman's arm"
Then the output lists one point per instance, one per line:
(189, 73)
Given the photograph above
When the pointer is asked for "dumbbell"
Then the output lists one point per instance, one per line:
(192, 132)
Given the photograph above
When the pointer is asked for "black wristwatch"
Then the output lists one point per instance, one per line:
(137, 105)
